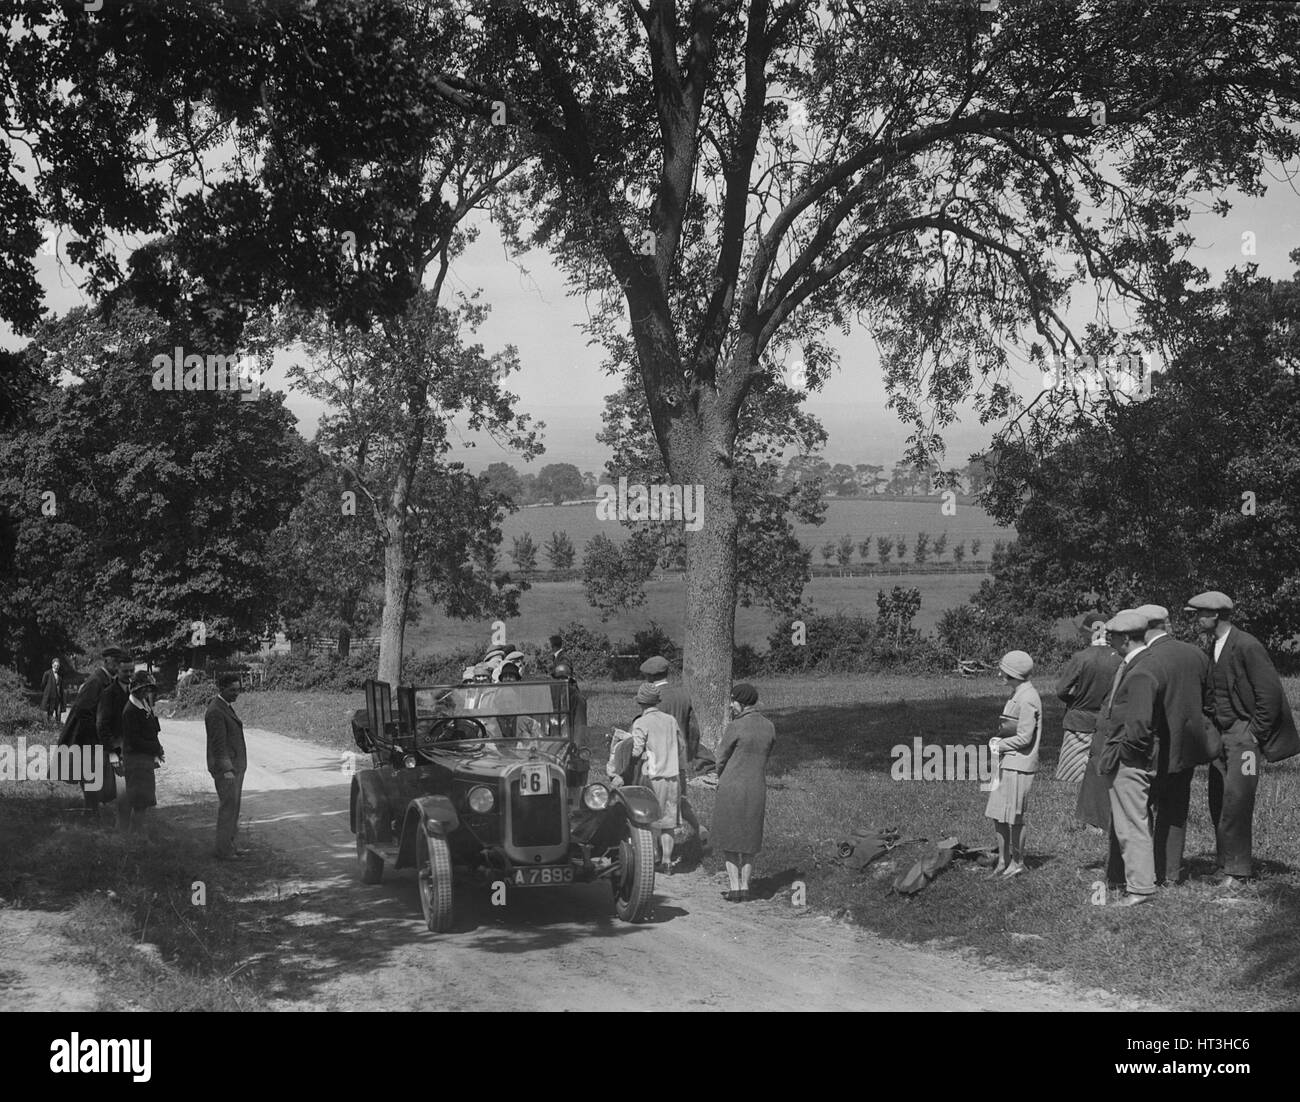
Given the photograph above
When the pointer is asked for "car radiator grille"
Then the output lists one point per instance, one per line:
(536, 820)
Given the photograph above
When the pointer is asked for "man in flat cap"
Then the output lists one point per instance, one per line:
(1252, 718)
(657, 739)
(81, 728)
(1129, 755)
(1082, 687)
(1183, 699)
(674, 700)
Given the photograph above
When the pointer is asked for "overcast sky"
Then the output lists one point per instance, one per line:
(560, 382)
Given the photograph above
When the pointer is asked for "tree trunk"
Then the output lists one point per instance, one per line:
(703, 454)
(392, 630)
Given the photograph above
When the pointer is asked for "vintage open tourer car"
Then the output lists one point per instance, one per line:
(487, 779)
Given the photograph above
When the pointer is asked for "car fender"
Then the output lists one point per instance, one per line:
(435, 814)
(367, 783)
(640, 803)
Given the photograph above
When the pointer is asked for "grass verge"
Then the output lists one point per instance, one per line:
(131, 908)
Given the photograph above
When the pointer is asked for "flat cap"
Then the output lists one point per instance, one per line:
(1127, 620)
(653, 667)
(112, 652)
(1210, 601)
(1090, 620)
(1153, 613)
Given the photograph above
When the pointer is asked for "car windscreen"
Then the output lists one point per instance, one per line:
(473, 701)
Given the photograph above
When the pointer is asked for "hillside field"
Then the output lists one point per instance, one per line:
(549, 605)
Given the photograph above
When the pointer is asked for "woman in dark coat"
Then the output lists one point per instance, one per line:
(742, 789)
(142, 753)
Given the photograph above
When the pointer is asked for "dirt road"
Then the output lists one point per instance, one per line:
(348, 946)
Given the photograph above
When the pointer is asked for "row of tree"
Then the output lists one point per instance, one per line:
(841, 550)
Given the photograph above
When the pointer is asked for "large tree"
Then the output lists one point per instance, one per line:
(140, 512)
(730, 179)
(1194, 488)
(392, 395)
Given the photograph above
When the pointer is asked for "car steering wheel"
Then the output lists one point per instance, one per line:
(444, 730)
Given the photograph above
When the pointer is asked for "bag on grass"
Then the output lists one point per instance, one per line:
(928, 867)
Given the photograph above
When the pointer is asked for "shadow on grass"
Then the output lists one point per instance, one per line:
(862, 735)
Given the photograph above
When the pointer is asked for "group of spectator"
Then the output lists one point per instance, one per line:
(664, 748)
(1144, 711)
(115, 710)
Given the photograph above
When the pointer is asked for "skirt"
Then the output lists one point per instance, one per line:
(1007, 801)
(1073, 761)
(141, 792)
(667, 791)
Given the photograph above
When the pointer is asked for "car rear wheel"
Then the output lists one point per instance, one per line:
(634, 884)
(433, 859)
(372, 865)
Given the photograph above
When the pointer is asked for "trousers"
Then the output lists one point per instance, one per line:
(1171, 797)
(1130, 824)
(229, 794)
(1234, 779)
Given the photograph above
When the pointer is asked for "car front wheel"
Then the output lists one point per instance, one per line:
(634, 883)
(433, 859)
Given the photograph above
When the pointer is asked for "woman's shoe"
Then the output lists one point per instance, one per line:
(731, 897)
(742, 896)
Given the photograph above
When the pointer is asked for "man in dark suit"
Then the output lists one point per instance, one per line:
(227, 761)
(1183, 701)
(1252, 719)
(1082, 687)
(81, 728)
(1128, 759)
(557, 650)
(52, 692)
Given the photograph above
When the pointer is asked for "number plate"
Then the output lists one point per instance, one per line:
(530, 878)
(534, 780)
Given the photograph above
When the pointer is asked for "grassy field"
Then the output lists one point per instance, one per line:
(549, 605)
(857, 517)
(1196, 948)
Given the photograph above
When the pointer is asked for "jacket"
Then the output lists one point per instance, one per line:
(1024, 713)
(79, 729)
(674, 700)
(1128, 722)
(140, 732)
(1256, 694)
(1083, 685)
(656, 733)
(52, 691)
(1184, 701)
(227, 752)
(108, 714)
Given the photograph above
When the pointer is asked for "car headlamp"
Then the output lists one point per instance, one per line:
(595, 797)
(481, 799)
(410, 761)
